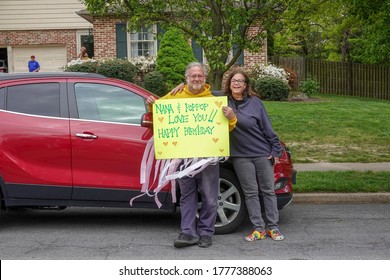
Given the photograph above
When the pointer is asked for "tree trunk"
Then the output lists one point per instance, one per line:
(345, 47)
(215, 79)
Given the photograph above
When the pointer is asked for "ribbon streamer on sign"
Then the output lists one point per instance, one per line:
(167, 171)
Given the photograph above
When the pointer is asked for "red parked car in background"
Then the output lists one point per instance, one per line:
(77, 139)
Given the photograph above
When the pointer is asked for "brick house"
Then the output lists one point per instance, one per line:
(112, 40)
(51, 30)
(54, 32)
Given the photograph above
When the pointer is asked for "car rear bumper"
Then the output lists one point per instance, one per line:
(284, 199)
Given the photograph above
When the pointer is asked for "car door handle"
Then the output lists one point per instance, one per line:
(86, 136)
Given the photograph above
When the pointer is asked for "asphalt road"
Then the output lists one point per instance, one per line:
(313, 232)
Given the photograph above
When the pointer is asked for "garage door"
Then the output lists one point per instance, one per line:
(51, 58)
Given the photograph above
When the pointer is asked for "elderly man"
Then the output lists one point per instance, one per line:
(193, 230)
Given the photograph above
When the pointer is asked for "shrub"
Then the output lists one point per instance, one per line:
(173, 57)
(117, 68)
(271, 88)
(113, 68)
(78, 65)
(310, 86)
(155, 83)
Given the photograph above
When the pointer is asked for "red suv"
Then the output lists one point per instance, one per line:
(77, 139)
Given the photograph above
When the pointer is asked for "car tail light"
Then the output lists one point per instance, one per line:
(280, 183)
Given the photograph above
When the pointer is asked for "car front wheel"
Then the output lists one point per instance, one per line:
(231, 209)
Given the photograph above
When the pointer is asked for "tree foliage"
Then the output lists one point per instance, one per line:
(341, 30)
(173, 57)
(373, 46)
(216, 25)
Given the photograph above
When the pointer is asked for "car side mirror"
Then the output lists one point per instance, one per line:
(147, 120)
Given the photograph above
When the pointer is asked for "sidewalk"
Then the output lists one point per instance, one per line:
(345, 166)
(341, 198)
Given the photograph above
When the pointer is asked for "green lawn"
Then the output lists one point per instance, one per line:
(342, 181)
(334, 128)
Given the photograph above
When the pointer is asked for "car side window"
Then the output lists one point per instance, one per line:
(36, 99)
(108, 103)
(2, 98)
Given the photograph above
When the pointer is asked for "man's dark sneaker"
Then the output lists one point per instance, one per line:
(185, 240)
(205, 241)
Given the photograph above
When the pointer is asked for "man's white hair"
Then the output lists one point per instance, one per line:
(195, 64)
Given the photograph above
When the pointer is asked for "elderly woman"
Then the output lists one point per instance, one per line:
(253, 148)
(83, 53)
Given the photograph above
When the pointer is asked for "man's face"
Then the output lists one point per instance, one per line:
(195, 79)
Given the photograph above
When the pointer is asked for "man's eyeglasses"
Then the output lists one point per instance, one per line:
(237, 81)
(193, 77)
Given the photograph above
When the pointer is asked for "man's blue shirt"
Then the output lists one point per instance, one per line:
(32, 65)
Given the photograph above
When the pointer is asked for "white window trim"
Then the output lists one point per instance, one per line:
(154, 30)
(80, 33)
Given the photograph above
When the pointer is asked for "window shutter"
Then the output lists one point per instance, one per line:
(160, 33)
(121, 40)
(240, 59)
(197, 50)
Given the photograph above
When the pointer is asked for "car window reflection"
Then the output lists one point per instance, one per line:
(108, 103)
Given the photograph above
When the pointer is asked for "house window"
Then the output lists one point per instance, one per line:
(143, 43)
(85, 39)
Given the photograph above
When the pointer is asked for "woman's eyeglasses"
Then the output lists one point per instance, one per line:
(237, 81)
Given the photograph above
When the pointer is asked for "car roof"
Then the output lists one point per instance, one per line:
(15, 76)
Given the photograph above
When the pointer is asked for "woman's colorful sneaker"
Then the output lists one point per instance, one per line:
(275, 234)
(256, 235)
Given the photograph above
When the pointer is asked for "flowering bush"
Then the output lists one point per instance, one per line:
(144, 65)
(80, 65)
(79, 61)
(261, 71)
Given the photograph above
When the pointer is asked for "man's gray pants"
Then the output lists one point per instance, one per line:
(207, 183)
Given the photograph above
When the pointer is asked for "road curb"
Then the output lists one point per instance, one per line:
(341, 198)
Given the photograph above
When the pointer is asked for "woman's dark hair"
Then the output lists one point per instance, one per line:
(248, 90)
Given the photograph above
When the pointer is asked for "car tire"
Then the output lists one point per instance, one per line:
(231, 209)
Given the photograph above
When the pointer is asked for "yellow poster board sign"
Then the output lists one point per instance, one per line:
(190, 127)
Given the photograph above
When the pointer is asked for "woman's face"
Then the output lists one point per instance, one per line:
(237, 84)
